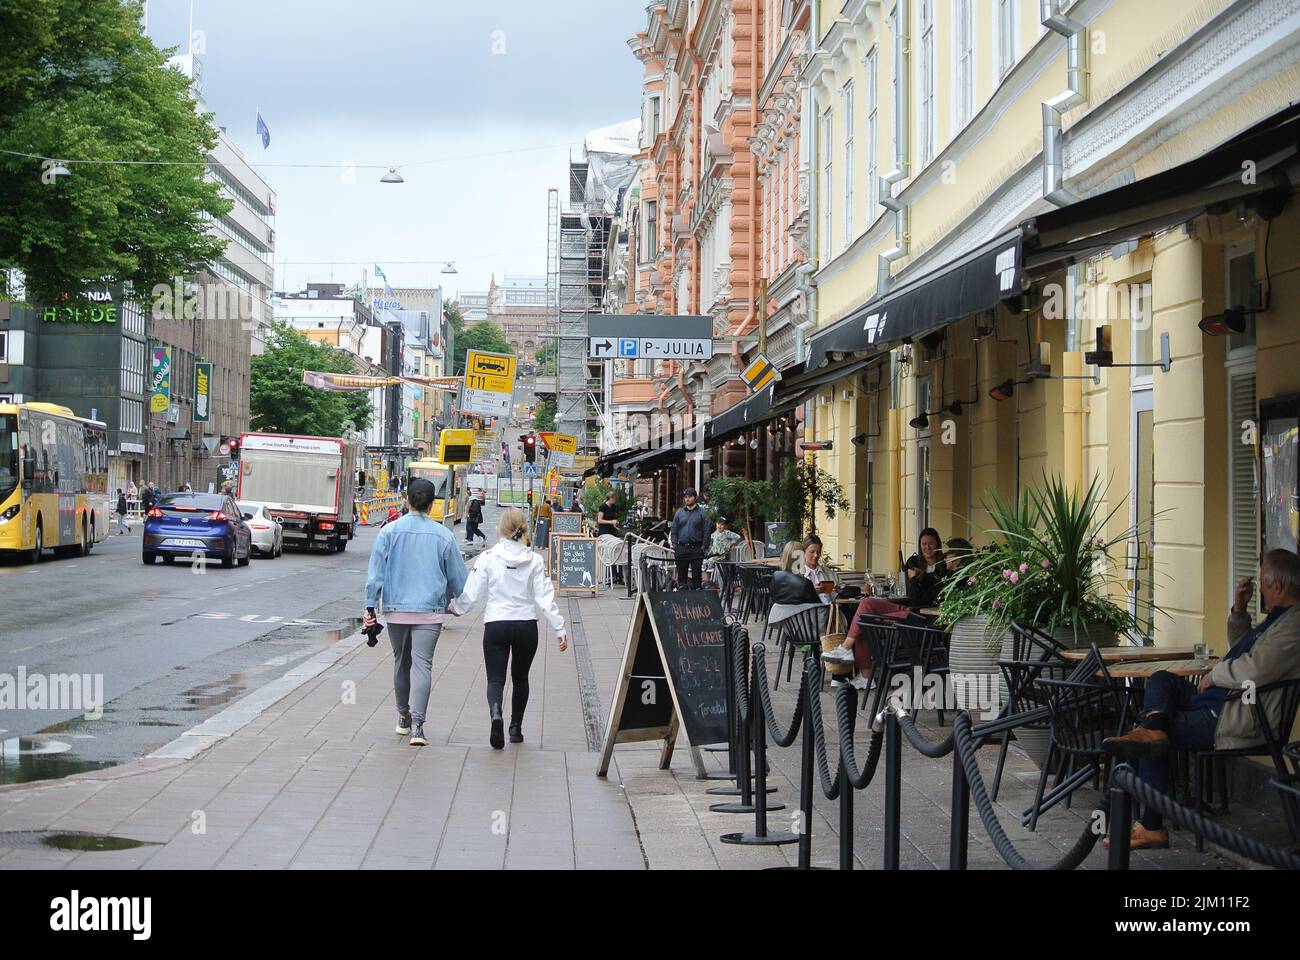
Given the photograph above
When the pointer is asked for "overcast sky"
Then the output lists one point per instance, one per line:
(394, 82)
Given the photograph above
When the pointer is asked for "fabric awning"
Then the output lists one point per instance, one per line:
(968, 285)
(1216, 181)
(774, 400)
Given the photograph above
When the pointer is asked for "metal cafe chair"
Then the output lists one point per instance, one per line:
(1288, 788)
(881, 637)
(798, 632)
(1032, 651)
(1085, 709)
(1285, 694)
(922, 646)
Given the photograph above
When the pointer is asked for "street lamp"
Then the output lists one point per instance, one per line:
(450, 268)
(392, 176)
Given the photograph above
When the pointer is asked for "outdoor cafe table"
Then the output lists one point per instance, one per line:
(1145, 669)
(1125, 654)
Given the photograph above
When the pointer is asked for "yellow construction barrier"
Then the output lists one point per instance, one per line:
(379, 506)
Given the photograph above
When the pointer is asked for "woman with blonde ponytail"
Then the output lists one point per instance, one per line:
(514, 580)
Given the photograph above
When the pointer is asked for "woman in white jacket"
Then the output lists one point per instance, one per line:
(514, 580)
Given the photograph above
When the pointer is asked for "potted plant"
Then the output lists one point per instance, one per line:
(803, 488)
(1047, 565)
(741, 501)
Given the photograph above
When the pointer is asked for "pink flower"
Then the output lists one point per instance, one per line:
(997, 602)
(1006, 574)
(970, 581)
(1024, 568)
(1047, 564)
(1014, 578)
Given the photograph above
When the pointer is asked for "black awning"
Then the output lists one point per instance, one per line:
(738, 418)
(1213, 182)
(972, 283)
(606, 463)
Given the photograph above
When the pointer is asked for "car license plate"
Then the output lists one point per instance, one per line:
(182, 542)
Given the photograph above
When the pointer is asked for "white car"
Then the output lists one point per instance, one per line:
(268, 535)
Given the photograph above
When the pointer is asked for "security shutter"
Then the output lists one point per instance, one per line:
(1243, 503)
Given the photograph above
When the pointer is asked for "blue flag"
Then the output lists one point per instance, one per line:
(263, 131)
(379, 273)
(389, 292)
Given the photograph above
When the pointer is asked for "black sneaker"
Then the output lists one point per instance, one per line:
(497, 740)
(417, 736)
(516, 733)
(403, 724)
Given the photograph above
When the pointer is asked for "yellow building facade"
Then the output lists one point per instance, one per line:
(976, 120)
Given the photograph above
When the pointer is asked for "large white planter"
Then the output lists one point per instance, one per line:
(1098, 633)
(974, 648)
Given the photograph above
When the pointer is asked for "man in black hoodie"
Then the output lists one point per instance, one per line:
(689, 537)
(473, 519)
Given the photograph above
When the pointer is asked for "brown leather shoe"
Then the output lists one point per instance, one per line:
(1140, 838)
(1139, 742)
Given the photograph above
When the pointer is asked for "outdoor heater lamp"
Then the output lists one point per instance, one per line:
(1232, 320)
(919, 422)
(1007, 388)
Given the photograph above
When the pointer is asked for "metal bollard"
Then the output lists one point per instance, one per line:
(846, 793)
(1121, 828)
(960, 837)
(806, 772)
(760, 836)
(738, 749)
(893, 788)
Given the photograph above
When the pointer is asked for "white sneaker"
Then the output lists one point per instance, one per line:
(861, 682)
(839, 655)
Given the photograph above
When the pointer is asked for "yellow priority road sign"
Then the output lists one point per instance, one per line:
(760, 373)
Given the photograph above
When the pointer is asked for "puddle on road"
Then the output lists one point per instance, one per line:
(299, 633)
(69, 840)
(27, 759)
(213, 694)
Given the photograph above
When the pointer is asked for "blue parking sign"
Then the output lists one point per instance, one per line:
(627, 346)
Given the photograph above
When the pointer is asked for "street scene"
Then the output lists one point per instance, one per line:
(690, 436)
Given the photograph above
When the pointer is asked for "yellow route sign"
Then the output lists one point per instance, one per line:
(489, 383)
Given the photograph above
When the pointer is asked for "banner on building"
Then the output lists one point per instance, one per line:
(342, 382)
(160, 377)
(202, 392)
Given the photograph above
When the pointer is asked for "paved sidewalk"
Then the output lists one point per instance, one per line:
(319, 780)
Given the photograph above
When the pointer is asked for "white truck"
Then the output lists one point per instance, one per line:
(307, 483)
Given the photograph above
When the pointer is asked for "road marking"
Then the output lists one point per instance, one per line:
(19, 650)
(56, 640)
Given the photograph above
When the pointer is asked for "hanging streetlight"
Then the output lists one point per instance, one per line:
(392, 176)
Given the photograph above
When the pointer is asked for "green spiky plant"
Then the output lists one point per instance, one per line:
(1048, 562)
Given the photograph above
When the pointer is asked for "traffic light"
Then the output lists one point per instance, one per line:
(233, 444)
(530, 448)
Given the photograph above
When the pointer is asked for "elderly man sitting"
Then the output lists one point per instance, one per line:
(1179, 714)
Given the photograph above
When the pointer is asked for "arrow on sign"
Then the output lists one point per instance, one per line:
(605, 346)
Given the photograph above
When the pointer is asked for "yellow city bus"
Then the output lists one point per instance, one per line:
(50, 459)
(449, 501)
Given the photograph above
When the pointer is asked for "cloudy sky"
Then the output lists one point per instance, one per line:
(497, 93)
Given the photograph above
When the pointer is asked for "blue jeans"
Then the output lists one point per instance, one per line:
(1169, 696)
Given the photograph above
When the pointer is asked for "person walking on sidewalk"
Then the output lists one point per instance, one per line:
(688, 536)
(474, 519)
(122, 526)
(514, 581)
(415, 567)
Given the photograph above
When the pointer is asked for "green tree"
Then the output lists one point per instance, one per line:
(282, 403)
(484, 335)
(544, 418)
(546, 362)
(456, 325)
(79, 80)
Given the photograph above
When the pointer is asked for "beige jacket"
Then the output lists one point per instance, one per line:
(1275, 656)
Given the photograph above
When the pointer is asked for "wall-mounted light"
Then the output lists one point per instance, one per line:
(1104, 356)
(1007, 388)
(1232, 320)
(920, 422)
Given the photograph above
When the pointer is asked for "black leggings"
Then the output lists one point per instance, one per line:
(501, 639)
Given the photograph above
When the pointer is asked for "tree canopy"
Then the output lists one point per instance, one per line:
(484, 335)
(79, 80)
(544, 418)
(281, 403)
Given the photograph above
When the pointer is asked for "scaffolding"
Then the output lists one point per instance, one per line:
(582, 275)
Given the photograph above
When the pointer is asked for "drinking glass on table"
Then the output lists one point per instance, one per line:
(1201, 651)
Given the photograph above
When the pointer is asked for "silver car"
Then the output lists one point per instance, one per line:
(268, 537)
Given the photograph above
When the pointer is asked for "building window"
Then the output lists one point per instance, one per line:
(4, 348)
(872, 143)
(965, 38)
(656, 116)
(1006, 36)
(651, 229)
(1243, 291)
(848, 162)
(927, 81)
(826, 183)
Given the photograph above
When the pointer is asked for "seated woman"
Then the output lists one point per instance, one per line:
(925, 571)
(957, 555)
(822, 579)
(791, 591)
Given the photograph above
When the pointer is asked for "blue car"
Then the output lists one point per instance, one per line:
(193, 525)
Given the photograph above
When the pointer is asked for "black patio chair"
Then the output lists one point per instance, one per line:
(798, 632)
(1026, 702)
(925, 647)
(1285, 694)
(1084, 710)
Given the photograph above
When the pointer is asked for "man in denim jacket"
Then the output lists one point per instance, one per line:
(416, 569)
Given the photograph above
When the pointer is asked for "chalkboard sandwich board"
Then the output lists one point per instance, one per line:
(562, 525)
(672, 676)
(577, 567)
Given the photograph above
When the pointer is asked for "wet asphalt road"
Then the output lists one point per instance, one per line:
(173, 646)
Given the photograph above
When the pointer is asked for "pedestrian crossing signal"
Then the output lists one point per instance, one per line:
(530, 448)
